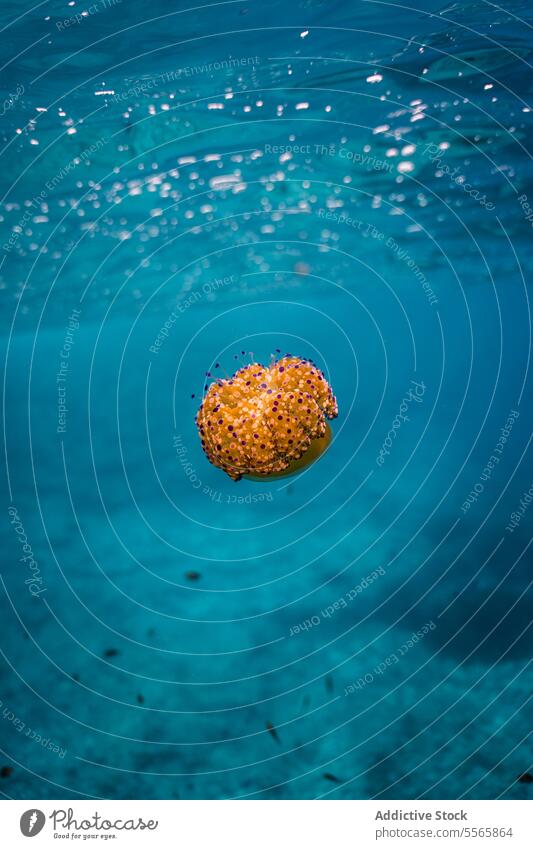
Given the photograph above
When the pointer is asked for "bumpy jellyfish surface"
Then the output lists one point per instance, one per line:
(262, 421)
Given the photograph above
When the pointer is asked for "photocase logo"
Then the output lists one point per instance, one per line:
(32, 822)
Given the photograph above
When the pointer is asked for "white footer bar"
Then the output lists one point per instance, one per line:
(268, 824)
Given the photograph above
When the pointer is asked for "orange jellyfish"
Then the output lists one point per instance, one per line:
(265, 422)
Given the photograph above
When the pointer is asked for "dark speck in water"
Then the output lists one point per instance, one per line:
(330, 777)
(272, 731)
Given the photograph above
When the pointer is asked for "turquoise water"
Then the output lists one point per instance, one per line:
(349, 182)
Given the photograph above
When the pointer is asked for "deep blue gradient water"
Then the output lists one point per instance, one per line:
(350, 182)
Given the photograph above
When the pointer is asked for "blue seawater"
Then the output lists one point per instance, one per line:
(350, 182)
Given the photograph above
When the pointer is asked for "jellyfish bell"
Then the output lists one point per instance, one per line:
(318, 447)
(266, 422)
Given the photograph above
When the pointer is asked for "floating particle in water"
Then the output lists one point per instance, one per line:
(525, 778)
(263, 420)
(110, 652)
(140, 698)
(193, 576)
(272, 731)
(330, 777)
(6, 771)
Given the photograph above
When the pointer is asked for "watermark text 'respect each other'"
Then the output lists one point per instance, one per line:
(391, 660)
(29, 732)
(492, 462)
(185, 303)
(340, 603)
